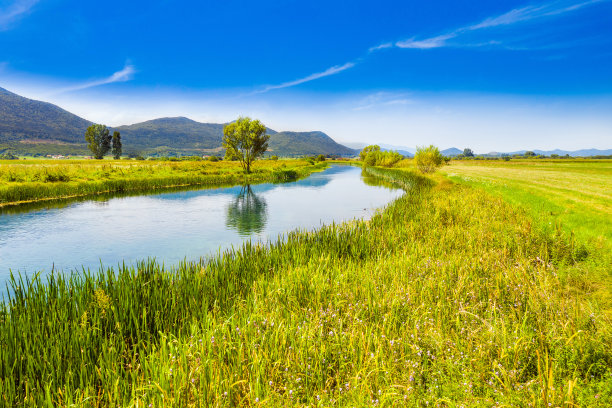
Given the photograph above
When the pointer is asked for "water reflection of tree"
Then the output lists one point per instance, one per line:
(373, 181)
(247, 213)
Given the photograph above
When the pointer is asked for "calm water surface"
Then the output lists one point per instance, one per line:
(179, 225)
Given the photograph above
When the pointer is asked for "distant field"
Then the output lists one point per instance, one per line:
(41, 179)
(577, 193)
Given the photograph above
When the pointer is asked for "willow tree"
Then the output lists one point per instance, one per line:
(245, 140)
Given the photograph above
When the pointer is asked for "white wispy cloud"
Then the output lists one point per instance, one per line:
(433, 42)
(124, 75)
(330, 71)
(519, 15)
(14, 11)
(381, 47)
(382, 98)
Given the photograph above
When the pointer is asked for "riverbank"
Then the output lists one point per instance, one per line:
(39, 180)
(448, 297)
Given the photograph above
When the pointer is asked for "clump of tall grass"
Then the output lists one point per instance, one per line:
(447, 297)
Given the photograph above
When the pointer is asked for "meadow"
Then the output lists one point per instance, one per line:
(577, 193)
(450, 297)
(26, 181)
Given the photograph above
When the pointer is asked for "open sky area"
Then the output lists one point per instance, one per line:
(491, 75)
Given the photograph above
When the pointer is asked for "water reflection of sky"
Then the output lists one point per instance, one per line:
(180, 225)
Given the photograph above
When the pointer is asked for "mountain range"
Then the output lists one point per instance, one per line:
(28, 126)
(33, 127)
(453, 151)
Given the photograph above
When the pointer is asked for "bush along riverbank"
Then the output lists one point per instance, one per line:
(447, 297)
(31, 182)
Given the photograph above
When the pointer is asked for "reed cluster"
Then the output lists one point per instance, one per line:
(448, 297)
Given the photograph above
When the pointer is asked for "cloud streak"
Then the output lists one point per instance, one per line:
(124, 75)
(15, 11)
(330, 71)
(515, 16)
(519, 15)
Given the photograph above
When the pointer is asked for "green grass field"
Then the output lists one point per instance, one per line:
(449, 297)
(578, 193)
(35, 180)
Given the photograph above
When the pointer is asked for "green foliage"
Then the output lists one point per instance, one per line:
(8, 156)
(368, 149)
(321, 158)
(467, 152)
(273, 157)
(529, 154)
(213, 159)
(117, 147)
(98, 140)
(373, 156)
(428, 159)
(246, 140)
(449, 294)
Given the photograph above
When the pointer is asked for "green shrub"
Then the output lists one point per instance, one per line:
(428, 159)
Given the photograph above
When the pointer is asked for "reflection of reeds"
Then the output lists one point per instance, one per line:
(32, 182)
(449, 294)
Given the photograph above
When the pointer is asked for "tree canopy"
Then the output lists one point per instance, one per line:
(116, 145)
(98, 139)
(245, 140)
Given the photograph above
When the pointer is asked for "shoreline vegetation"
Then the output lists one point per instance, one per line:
(449, 296)
(40, 180)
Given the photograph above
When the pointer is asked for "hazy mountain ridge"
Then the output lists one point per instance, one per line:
(30, 126)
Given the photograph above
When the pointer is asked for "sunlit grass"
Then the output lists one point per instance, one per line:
(576, 192)
(32, 180)
(448, 297)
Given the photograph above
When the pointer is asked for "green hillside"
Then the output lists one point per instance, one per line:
(176, 133)
(33, 127)
(310, 143)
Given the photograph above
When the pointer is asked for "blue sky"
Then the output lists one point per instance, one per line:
(497, 75)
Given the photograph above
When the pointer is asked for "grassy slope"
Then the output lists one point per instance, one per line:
(449, 297)
(32, 180)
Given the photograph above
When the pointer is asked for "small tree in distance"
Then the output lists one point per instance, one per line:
(428, 159)
(98, 139)
(116, 145)
(467, 152)
(245, 140)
